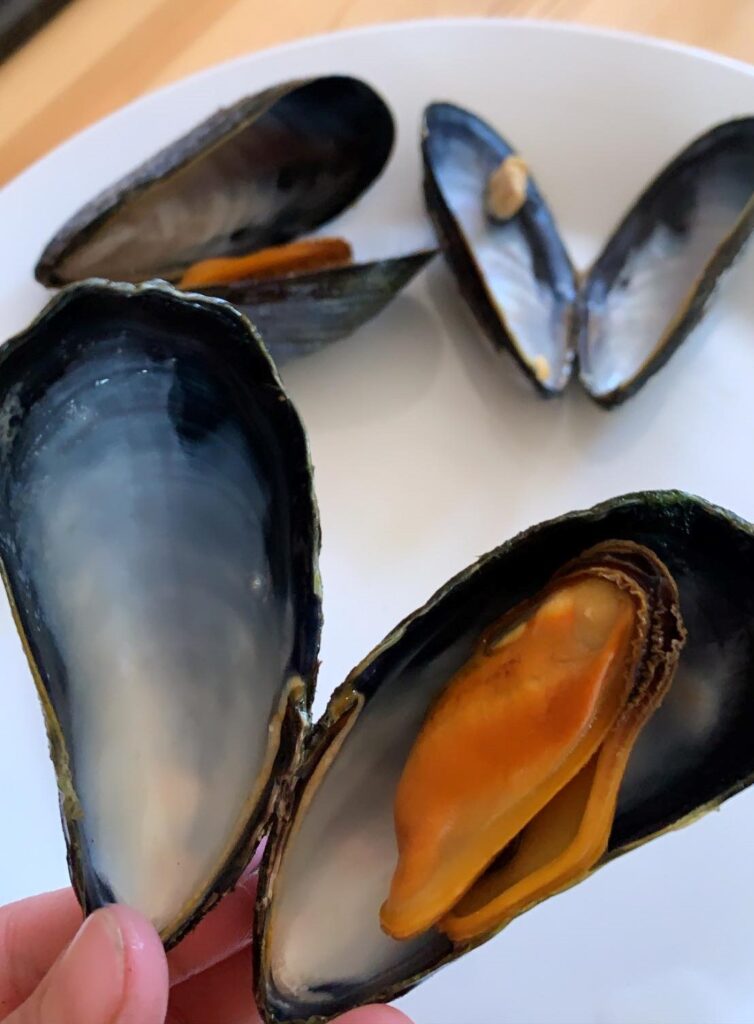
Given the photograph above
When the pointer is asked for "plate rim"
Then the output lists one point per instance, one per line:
(543, 26)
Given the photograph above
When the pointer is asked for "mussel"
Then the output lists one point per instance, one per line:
(221, 211)
(534, 720)
(645, 292)
(159, 542)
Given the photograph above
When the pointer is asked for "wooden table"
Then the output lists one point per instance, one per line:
(99, 54)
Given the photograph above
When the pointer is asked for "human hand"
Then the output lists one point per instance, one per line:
(113, 969)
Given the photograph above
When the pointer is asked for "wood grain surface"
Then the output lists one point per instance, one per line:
(98, 54)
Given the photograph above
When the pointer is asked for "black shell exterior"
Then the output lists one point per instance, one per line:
(301, 313)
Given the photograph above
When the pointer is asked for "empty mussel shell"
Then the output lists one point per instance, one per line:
(159, 542)
(514, 273)
(447, 788)
(645, 292)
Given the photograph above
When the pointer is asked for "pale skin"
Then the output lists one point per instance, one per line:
(112, 969)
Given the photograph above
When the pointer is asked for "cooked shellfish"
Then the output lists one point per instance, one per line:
(530, 723)
(221, 211)
(645, 292)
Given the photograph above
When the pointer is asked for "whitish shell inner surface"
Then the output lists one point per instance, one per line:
(150, 544)
(525, 270)
(629, 317)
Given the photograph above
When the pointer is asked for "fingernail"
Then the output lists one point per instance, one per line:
(88, 984)
(252, 868)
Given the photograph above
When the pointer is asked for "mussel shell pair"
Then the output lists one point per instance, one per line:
(648, 288)
(159, 545)
(263, 172)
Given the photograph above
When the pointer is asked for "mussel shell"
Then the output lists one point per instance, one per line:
(302, 313)
(159, 541)
(271, 167)
(333, 843)
(516, 277)
(652, 282)
(647, 289)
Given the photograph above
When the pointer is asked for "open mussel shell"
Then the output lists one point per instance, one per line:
(332, 856)
(301, 313)
(651, 284)
(268, 169)
(515, 275)
(159, 542)
(645, 292)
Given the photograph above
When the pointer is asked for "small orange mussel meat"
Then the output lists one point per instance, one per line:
(304, 256)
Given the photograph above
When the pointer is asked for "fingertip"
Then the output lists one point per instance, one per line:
(375, 1014)
(113, 970)
(251, 870)
(33, 933)
(139, 935)
(146, 984)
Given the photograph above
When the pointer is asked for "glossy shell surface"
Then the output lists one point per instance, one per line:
(159, 543)
(622, 319)
(332, 854)
(268, 169)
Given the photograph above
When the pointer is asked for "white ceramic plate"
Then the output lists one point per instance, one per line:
(429, 451)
